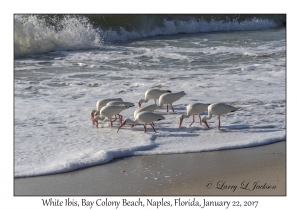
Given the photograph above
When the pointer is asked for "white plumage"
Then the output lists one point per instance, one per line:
(145, 118)
(149, 108)
(109, 111)
(192, 109)
(129, 104)
(101, 103)
(152, 94)
(170, 98)
(217, 109)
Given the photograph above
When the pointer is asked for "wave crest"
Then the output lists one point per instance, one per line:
(44, 33)
(36, 35)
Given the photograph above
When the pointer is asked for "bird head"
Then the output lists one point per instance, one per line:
(204, 120)
(93, 112)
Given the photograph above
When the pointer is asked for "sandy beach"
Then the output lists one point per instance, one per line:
(249, 171)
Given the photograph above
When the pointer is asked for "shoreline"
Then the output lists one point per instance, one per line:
(257, 171)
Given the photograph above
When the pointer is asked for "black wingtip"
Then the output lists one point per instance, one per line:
(235, 110)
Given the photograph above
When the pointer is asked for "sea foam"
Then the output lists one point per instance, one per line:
(34, 34)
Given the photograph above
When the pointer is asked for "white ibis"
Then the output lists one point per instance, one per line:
(170, 98)
(217, 109)
(149, 108)
(152, 94)
(129, 104)
(192, 109)
(145, 118)
(101, 103)
(109, 111)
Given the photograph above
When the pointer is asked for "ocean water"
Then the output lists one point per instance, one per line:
(64, 64)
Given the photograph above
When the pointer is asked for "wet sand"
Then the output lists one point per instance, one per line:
(249, 171)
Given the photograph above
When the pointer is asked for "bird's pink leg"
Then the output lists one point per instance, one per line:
(120, 117)
(193, 120)
(219, 122)
(153, 127)
(110, 122)
(180, 122)
(92, 118)
(200, 120)
(145, 129)
(115, 118)
(172, 108)
(167, 108)
(132, 126)
(153, 123)
(206, 124)
(95, 122)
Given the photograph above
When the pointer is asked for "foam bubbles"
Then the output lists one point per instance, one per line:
(35, 34)
(171, 27)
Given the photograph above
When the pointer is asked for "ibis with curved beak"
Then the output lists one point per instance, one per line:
(170, 98)
(217, 109)
(145, 118)
(109, 111)
(193, 109)
(101, 103)
(152, 94)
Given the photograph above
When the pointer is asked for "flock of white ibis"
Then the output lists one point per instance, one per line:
(112, 107)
